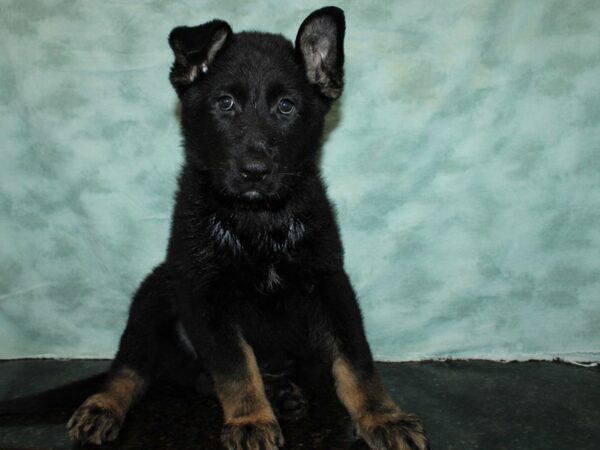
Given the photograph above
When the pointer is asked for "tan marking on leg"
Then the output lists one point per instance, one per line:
(360, 396)
(99, 418)
(244, 401)
(348, 388)
(371, 407)
(249, 419)
(123, 389)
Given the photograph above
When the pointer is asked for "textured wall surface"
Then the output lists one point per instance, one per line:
(464, 161)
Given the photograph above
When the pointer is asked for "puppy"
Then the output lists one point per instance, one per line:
(253, 274)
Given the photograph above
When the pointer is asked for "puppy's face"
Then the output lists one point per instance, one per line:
(253, 105)
(253, 120)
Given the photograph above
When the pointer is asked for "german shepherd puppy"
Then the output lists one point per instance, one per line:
(253, 276)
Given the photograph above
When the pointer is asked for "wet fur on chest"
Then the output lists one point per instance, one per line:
(262, 240)
(265, 236)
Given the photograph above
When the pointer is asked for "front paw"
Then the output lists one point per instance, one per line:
(392, 431)
(252, 435)
(95, 421)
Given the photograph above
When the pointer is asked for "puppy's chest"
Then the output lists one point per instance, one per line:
(248, 239)
(259, 254)
(268, 281)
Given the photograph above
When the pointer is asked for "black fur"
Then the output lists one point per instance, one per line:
(254, 254)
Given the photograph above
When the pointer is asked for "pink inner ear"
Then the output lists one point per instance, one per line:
(218, 41)
(193, 73)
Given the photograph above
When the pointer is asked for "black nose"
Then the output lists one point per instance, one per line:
(254, 168)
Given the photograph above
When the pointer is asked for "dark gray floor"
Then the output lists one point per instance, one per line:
(463, 404)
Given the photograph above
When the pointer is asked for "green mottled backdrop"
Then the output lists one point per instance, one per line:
(465, 166)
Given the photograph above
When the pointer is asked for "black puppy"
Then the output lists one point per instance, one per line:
(254, 268)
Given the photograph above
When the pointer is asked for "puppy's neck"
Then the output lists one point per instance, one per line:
(250, 234)
(241, 233)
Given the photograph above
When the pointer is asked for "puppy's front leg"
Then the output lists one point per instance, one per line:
(100, 417)
(250, 423)
(380, 422)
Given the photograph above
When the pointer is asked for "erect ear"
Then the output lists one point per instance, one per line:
(195, 49)
(320, 45)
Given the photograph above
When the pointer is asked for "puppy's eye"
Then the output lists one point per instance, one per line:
(286, 106)
(225, 102)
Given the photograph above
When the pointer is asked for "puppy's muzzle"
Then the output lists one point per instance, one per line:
(254, 168)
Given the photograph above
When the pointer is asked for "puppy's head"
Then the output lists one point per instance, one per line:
(253, 104)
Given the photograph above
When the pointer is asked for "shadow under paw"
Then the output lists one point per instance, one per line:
(287, 399)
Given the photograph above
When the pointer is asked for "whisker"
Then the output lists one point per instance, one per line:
(294, 174)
